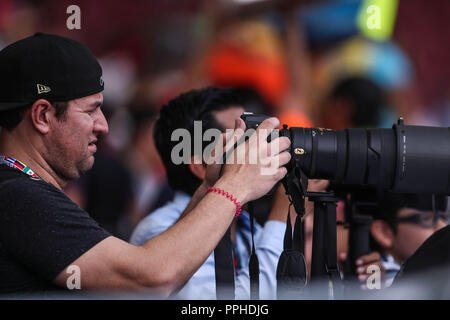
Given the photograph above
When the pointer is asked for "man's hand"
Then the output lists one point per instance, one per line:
(363, 263)
(254, 167)
(213, 169)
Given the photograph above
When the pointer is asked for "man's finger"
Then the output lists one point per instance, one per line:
(221, 142)
(368, 258)
(267, 126)
(278, 146)
(232, 137)
(284, 158)
(239, 124)
(281, 172)
(363, 269)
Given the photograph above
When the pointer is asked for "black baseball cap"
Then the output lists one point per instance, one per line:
(47, 66)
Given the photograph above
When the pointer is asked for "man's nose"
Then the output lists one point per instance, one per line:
(101, 125)
(440, 224)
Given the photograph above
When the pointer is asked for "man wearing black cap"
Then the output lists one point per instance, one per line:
(50, 115)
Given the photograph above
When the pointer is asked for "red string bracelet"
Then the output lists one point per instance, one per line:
(229, 196)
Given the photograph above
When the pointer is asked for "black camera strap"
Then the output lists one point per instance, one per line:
(254, 262)
(291, 269)
(223, 253)
(298, 242)
(223, 259)
(295, 184)
(224, 268)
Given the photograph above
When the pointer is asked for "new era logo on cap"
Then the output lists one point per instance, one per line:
(42, 89)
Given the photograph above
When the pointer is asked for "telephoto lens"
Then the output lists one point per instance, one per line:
(407, 159)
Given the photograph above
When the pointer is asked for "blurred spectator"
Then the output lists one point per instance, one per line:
(354, 102)
(251, 53)
(425, 41)
(248, 54)
(384, 64)
(18, 19)
(402, 224)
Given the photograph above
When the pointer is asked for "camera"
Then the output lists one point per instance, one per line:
(406, 159)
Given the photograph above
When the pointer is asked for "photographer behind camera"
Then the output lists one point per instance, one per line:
(216, 108)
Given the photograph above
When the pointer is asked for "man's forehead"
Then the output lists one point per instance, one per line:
(229, 109)
(94, 99)
(404, 212)
(226, 117)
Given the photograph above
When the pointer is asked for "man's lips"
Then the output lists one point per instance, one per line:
(93, 145)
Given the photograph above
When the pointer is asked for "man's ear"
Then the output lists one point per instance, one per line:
(197, 167)
(41, 113)
(382, 233)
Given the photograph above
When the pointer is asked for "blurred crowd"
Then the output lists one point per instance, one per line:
(306, 62)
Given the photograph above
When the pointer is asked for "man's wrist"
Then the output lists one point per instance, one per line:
(234, 189)
(204, 186)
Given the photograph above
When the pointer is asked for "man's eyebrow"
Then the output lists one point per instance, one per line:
(97, 103)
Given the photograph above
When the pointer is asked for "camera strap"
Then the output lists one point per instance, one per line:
(223, 253)
(224, 268)
(254, 262)
(295, 184)
(291, 269)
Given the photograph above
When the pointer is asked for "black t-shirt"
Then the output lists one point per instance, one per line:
(41, 233)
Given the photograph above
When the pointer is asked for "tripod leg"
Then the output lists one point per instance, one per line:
(318, 246)
(331, 265)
